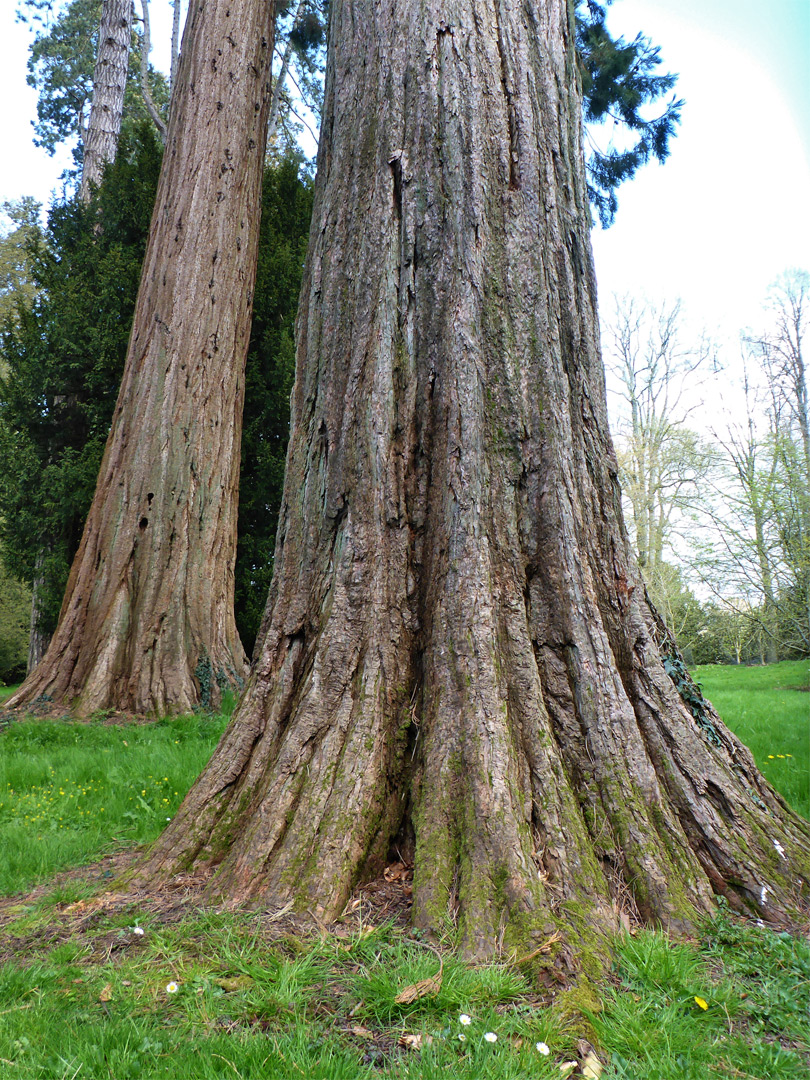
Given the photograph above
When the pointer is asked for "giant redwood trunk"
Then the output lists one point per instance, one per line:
(100, 139)
(457, 658)
(147, 622)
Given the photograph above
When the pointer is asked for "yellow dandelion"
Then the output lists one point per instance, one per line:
(701, 1003)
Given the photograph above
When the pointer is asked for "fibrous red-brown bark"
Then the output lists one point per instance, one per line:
(100, 139)
(457, 657)
(147, 622)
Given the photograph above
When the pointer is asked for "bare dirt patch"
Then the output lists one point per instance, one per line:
(387, 899)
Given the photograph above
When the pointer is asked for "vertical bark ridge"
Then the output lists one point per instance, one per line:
(456, 633)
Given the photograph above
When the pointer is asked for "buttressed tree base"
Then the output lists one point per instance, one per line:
(457, 659)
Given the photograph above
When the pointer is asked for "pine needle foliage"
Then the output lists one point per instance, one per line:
(61, 64)
(619, 78)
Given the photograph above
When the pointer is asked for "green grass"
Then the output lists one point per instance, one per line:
(250, 1004)
(68, 789)
(7, 691)
(89, 1000)
(756, 1024)
(70, 792)
(768, 709)
(246, 1006)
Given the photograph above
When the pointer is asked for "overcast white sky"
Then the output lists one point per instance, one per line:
(730, 209)
(727, 213)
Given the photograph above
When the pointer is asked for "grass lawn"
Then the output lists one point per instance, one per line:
(6, 692)
(96, 986)
(70, 792)
(125, 994)
(769, 709)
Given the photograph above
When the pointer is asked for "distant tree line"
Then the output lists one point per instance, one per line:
(720, 513)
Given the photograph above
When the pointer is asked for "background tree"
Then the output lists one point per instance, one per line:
(755, 559)
(177, 12)
(20, 231)
(17, 293)
(61, 68)
(789, 507)
(64, 356)
(100, 136)
(67, 359)
(457, 658)
(92, 109)
(147, 622)
(619, 79)
(15, 610)
(145, 48)
(663, 464)
(18, 290)
(298, 82)
(742, 566)
(726, 634)
(782, 353)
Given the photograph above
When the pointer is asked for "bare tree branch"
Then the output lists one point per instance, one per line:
(149, 101)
